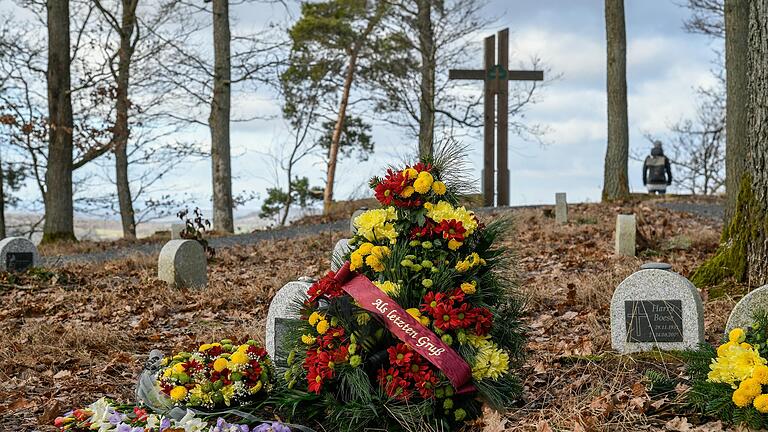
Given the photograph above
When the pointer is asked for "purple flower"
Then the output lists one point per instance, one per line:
(244, 428)
(272, 427)
(165, 423)
(122, 427)
(137, 429)
(115, 418)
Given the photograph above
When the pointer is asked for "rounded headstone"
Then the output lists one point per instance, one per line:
(182, 263)
(18, 254)
(742, 313)
(656, 266)
(340, 250)
(355, 214)
(283, 309)
(663, 310)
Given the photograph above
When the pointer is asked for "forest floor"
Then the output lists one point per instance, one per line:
(83, 330)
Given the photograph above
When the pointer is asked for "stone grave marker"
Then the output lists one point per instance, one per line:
(656, 308)
(625, 236)
(741, 315)
(18, 254)
(282, 314)
(176, 230)
(183, 264)
(355, 214)
(339, 251)
(561, 208)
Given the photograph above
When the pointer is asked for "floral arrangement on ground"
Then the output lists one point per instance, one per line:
(430, 333)
(729, 383)
(220, 387)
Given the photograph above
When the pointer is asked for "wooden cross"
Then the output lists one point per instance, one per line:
(496, 77)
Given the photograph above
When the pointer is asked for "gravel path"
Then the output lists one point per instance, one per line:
(219, 242)
(705, 210)
(712, 211)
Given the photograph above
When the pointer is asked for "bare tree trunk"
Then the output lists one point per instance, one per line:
(58, 176)
(336, 137)
(219, 119)
(615, 178)
(743, 253)
(2, 202)
(736, 33)
(427, 98)
(121, 131)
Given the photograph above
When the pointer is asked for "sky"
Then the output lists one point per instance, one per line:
(665, 65)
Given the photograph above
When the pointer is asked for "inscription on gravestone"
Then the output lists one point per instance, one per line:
(18, 261)
(654, 320)
(283, 327)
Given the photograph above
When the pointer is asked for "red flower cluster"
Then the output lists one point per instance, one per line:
(450, 312)
(327, 287)
(451, 230)
(394, 188)
(329, 350)
(408, 373)
(423, 233)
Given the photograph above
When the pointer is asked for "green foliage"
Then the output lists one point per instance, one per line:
(355, 138)
(278, 200)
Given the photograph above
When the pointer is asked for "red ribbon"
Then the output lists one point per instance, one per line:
(407, 328)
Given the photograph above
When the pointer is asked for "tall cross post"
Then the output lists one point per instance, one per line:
(496, 76)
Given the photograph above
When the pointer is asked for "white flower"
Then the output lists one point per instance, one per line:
(190, 423)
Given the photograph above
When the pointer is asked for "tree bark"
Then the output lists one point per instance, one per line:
(219, 120)
(59, 211)
(743, 253)
(615, 178)
(427, 87)
(736, 33)
(336, 137)
(2, 202)
(121, 130)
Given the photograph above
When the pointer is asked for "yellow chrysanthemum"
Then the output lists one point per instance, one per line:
(220, 364)
(469, 262)
(491, 362)
(356, 260)
(178, 368)
(308, 339)
(439, 188)
(414, 312)
(734, 364)
(407, 192)
(737, 335)
(389, 288)
(228, 393)
(741, 398)
(376, 225)
(323, 326)
(443, 210)
(239, 358)
(374, 262)
(752, 387)
(315, 317)
(423, 182)
(362, 318)
(454, 244)
(365, 248)
(178, 393)
(760, 373)
(257, 387)
(204, 347)
(411, 173)
(761, 403)
(469, 287)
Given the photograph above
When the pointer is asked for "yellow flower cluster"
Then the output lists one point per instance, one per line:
(423, 182)
(389, 288)
(443, 210)
(738, 362)
(376, 225)
(318, 321)
(469, 262)
(414, 312)
(469, 287)
(370, 255)
(491, 361)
